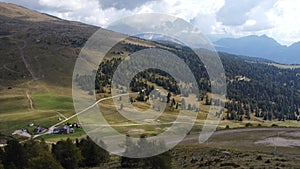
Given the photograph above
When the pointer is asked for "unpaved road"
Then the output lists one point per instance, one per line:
(243, 130)
(26, 63)
(50, 130)
(8, 69)
(221, 132)
(60, 114)
(21, 133)
(29, 100)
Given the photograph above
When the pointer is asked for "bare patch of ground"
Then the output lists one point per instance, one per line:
(279, 142)
(136, 131)
(21, 133)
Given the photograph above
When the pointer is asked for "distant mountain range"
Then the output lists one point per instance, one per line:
(261, 47)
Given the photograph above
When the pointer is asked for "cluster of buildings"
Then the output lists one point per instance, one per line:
(64, 129)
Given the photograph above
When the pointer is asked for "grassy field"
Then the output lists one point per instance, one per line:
(51, 101)
(15, 112)
(54, 102)
(282, 66)
(49, 106)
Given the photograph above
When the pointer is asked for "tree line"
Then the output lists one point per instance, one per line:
(64, 154)
(270, 93)
(69, 154)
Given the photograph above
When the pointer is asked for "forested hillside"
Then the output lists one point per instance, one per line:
(267, 91)
(253, 86)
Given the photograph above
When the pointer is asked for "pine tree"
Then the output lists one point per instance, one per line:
(183, 104)
(67, 154)
(207, 101)
(44, 160)
(169, 97)
(92, 154)
(14, 155)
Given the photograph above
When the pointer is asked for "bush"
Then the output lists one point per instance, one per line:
(92, 154)
(248, 125)
(268, 161)
(259, 158)
(67, 154)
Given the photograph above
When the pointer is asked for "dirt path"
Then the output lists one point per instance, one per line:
(50, 130)
(8, 69)
(232, 131)
(139, 124)
(29, 100)
(21, 133)
(27, 65)
(222, 132)
(60, 114)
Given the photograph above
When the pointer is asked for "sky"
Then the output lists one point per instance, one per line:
(278, 19)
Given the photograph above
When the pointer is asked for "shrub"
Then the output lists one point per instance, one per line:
(259, 157)
(268, 161)
(248, 125)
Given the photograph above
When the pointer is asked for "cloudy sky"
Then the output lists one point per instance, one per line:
(278, 19)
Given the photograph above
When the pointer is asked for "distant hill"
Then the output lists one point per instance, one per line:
(293, 53)
(21, 13)
(260, 46)
(38, 46)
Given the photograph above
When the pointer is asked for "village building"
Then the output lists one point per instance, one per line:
(65, 129)
(39, 129)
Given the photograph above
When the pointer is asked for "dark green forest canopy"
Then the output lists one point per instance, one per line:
(253, 86)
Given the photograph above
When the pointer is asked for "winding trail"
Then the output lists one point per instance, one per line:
(29, 100)
(8, 69)
(59, 113)
(50, 130)
(27, 65)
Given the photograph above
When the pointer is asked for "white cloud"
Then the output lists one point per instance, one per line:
(250, 22)
(234, 13)
(285, 15)
(245, 17)
(64, 6)
(275, 18)
(200, 13)
(123, 4)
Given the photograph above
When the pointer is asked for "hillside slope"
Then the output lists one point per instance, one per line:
(38, 46)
